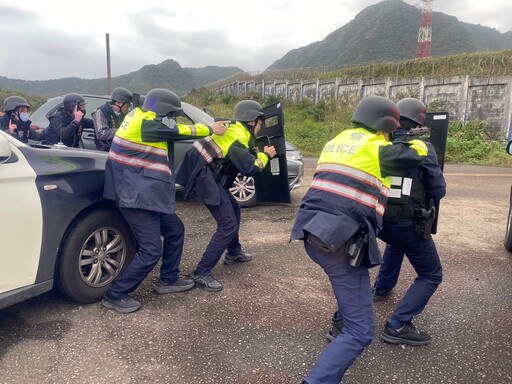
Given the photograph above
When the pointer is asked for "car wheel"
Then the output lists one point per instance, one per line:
(508, 234)
(95, 251)
(244, 191)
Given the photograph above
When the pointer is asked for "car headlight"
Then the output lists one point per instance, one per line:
(293, 156)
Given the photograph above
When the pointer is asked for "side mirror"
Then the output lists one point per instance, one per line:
(5, 149)
(509, 147)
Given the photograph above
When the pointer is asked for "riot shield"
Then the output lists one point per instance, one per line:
(272, 183)
(438, 124)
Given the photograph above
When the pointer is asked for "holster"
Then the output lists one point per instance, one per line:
(357, 247)
(423, 220)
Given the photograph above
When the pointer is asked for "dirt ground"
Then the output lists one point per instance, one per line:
(268, 325)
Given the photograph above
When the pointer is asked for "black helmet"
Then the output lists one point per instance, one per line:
(248, 110)
(122, 95)
(377, 113)
(13, 102)
(71, 100)
(413, 109)
(163, 102)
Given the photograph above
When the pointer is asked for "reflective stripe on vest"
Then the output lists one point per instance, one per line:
(208, 149)
(355, 173)
(137, 161)
(351, 193)
(128, 147)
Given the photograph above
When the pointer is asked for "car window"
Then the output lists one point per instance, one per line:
(196, 115)
(94, 102)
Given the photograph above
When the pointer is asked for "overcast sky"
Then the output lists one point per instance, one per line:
(41, 40)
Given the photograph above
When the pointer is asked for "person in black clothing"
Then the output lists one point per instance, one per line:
(409, 210)
(110, 116)
(16, 120)
(67, 123)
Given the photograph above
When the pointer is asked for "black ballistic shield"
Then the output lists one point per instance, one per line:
(272, 183)
(438, 124)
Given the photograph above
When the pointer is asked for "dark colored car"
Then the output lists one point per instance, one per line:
(244, 188)
(57, 229)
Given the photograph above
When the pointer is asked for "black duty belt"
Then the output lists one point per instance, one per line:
(398, 212)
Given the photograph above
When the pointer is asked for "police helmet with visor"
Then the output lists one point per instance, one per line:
(377, 113)
(413, 109)
(163, 102)
(13, 102)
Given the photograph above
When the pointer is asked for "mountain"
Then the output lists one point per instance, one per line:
(388, 31)
(168, 74)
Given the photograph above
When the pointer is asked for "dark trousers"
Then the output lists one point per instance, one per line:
(390, 268)
(148, 228)
(353, 293)
(422, 254)
(227, 215)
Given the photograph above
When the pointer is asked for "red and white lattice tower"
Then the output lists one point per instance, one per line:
(424, 46)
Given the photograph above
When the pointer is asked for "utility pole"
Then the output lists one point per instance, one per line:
(109, 74)
(424, 45)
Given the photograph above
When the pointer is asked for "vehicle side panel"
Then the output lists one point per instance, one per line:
(22, 223)
(68, 182)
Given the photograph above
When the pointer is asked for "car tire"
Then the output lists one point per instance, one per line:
(508, 233)
(244, 191)
(96, 249)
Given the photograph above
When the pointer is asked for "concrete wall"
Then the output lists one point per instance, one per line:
(464, 97)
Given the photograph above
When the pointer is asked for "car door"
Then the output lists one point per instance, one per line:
(272, 184)
(22, 221)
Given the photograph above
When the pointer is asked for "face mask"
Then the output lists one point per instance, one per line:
(117, 113)
(24, 116)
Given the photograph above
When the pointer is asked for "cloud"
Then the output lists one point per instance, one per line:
(42, 40)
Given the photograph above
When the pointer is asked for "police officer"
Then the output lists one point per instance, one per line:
(139, 177)
(109, 117)
(208, 170)
(16, 119)
(339, 218)
(67, 123)
(409, 215)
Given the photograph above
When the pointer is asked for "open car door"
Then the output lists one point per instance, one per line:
(438, 124)
(272, 183)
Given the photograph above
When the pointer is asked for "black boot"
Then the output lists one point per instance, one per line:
(337, 326)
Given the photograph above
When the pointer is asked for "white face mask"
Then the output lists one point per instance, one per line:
(117, 113)
(24, 116)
